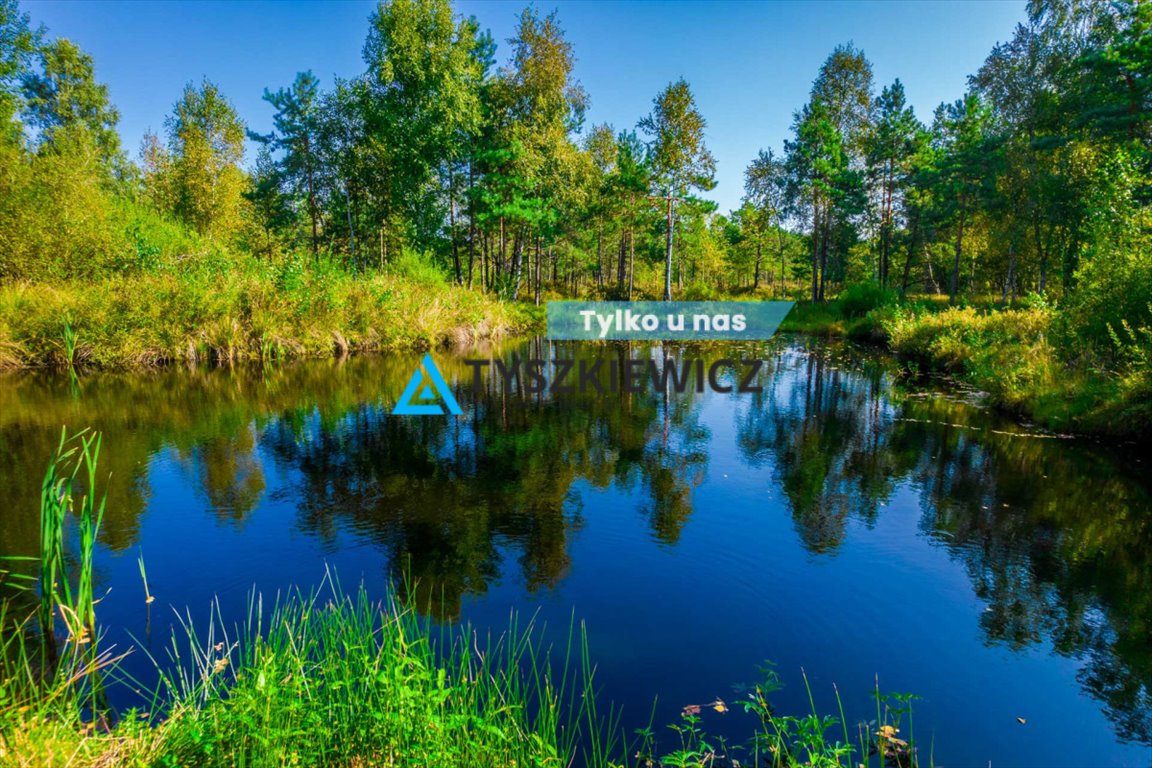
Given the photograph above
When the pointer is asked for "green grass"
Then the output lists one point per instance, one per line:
(328, 678)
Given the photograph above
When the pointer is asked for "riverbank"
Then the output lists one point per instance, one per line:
(237, 313)
(1024, 359)
(230, 312)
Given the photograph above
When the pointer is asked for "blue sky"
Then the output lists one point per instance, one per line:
(750, 64)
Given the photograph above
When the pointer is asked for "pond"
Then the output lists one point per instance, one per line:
(840, 521)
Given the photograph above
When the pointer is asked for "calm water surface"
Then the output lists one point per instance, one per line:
(837, 522)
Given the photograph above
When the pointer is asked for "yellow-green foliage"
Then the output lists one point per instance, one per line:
(223, 311)
(55, 216)
(1007, 350)
(1024, 364)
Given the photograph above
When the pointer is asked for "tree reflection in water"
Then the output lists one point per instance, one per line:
(1054, 535)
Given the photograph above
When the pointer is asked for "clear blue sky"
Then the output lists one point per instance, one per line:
(750, 64)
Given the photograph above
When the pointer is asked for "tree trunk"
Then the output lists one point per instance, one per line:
(621, 259)
(954, 286)
(500, 255)
(538, 273)
(756, 274)
(631, 261)
(471, 226)
(312, 212)
(783, 285)
(484, 270)
(908, 257)
(824, 238)
(1041, 252)
(599, 253)
(815, 250)
(351, 231)
(668, 254)
(886, 228)
(1010, 278)
(517, 262)
(452, 227)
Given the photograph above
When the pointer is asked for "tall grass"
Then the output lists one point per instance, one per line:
(51, 665)
(239, 311)
(329, 678)
(76, 608)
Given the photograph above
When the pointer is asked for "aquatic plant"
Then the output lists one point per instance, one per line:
(75, 607)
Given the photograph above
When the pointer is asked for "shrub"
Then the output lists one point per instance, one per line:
(860, 299)
(702, 292)
(418, 268)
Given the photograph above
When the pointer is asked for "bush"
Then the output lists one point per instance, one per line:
(702, 292)
(1113, 282)
(418, 268)
(860, 299)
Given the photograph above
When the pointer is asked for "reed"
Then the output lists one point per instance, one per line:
(75, 455)
(148, 598)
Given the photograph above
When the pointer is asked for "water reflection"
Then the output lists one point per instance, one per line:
(1054, 535)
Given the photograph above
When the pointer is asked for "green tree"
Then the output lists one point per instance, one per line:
(844, 88)
(679, 159)
(600, 144)
(419, 101)
(630, 184)
(295, 136)
(766, 188)
(816, 163)
(1117, 91)
(17, 43)
(891, 148)
(272, 207)
(532, 169)
(65, 104)
(961, 134)
(206, 144)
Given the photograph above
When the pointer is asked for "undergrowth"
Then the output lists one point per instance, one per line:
(230, 312)
(1029, 358)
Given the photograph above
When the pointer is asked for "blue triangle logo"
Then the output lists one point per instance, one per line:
(430, 384)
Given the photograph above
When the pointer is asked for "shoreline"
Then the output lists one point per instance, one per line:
(1007, 354)
(154, 321)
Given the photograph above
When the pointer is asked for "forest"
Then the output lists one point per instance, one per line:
(920, 489)
(455, 183)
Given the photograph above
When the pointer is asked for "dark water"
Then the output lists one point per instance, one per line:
(836, 522)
